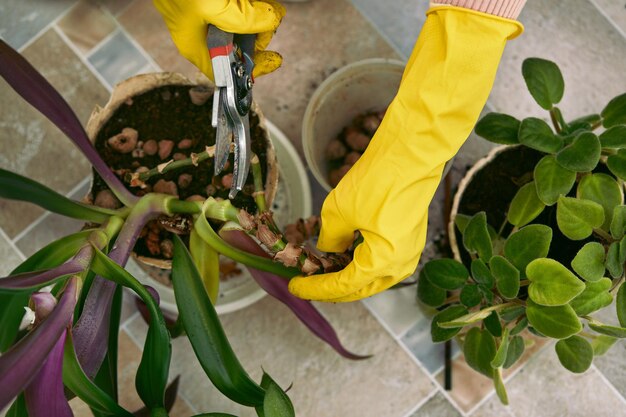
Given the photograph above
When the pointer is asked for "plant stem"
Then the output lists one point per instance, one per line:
(557, 119)
(174, 165)
(604, 235)
(259, 190)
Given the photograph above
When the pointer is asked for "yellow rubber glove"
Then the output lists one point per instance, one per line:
(187, 21)
(387, 192)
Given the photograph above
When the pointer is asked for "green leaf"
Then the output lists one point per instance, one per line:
(76, 381)
(582, 155)
(577, 218)
(498, 128)
(487, 293)
(476, 237)
(206, 334)
(602, 343)
(595, 296)
(481, 273)
(552, 180)
(447, 274)
(544, 81)
(470, 295)
(575, 354)
(617, 164)
(558, 322)
(500, 358)
(618, 223)
(587, 121)
(479, 349)
(604, 190)
(17, 187)
(440, 334)
(614, 137)
(276, 402)
(18, 408)
(520, 326)
(153, 371)
(525, 206)
(508, 314)
(528, 243)
(461, 221)
(214, 415)
(493, 325)
(507, 276)
(589, 261)
(552, 284)
(620, 305)
(537, 134)
(468, 318)
(514, 352)
(498, 384)
(208, 264)
(429, 294)
(615, 112)
(613, 331)
(613, 263)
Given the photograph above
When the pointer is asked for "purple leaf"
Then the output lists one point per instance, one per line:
(39, 278)
(20, 364)
(278, 288)
(37, 91)
(45, 396)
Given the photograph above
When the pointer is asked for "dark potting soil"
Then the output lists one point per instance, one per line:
(167, 113)
(494, 186)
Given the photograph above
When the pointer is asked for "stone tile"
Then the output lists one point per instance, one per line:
(115, 6)
(575, 35)
(398, 308)
(117, 59)
(9, 256)
(129, 307)
(87, 24)
(267, 335)
(52, 227)
(315, 39)
(33, 146)
(437, 406)
(544, 388)
(152, 34)
(613, 363)
(615, 10)
(21, 20)
(399, 21)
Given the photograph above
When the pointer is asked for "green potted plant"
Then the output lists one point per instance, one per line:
(538, 234)
(74, 285)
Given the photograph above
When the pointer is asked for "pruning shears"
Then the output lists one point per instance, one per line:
(231, 58)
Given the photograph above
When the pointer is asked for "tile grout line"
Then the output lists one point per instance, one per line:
(12, 245)
(137, 45)
(421, 403)
(46, 28)
(609, 383)
(438, 387)
(94, 49)
(607, 17)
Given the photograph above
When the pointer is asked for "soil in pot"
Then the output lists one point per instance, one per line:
(164, 124)
(492, 188)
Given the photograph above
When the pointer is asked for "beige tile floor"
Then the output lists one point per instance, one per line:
(84, 47)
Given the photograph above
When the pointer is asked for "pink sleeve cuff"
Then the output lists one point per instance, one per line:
(509, 9)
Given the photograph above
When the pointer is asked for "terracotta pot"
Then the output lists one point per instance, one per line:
(140, 84)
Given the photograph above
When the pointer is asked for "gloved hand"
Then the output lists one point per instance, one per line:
(387, 192)
(187, 21)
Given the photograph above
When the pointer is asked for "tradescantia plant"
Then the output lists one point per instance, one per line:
(508, 287)
(71, 348)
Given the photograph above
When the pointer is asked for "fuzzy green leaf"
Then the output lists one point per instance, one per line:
(520, 326)
(589, 261)
(620, 305)
(470, 295)
(604, 190)
(528, 243)
(552, 180)
(447, 274)
(537, 134)
(577, 218)
(614, 137)
(618, 223)
(582, 155)
(498, 384)
(481, 273)
(493, 324)
(515, 351)
(602, 343)
(479, 349)
(544, 81)
(613, 263)
(476, 238)
(440, 334)
(552, 284)
(559, 322)
(606, 329)
(467, 319)
(575, 353)
(594, 297)
(617, 164)
(615, 112)
(498, 128)
(525, 206)
(500, 358)
(507, 276)
(428, 293)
